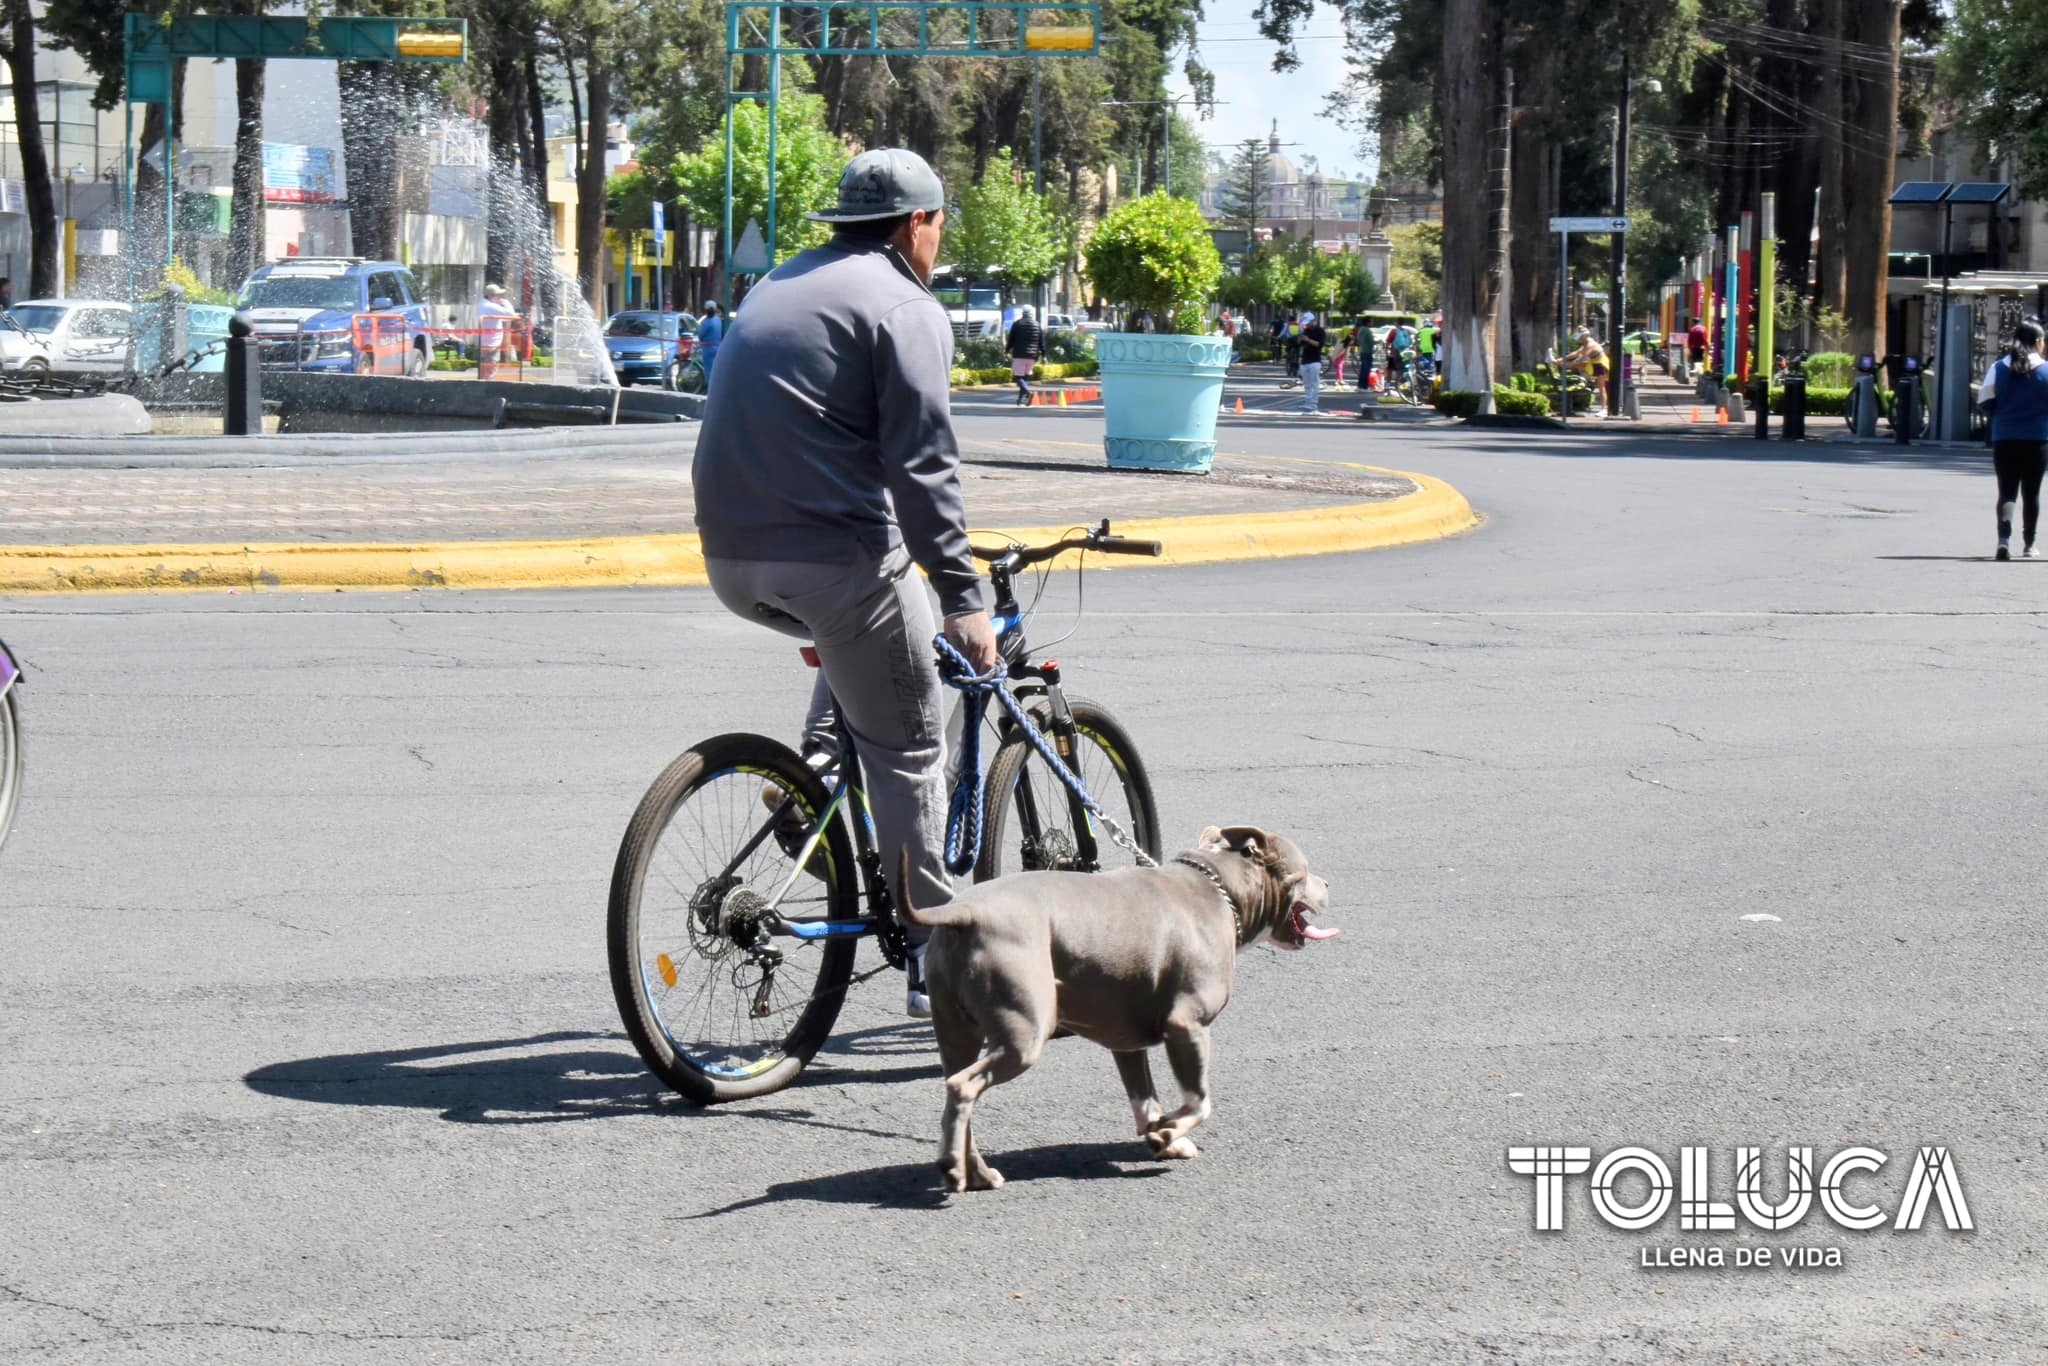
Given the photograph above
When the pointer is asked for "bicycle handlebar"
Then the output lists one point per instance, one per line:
(1098, 538)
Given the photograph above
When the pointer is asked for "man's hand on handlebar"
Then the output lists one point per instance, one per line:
(974, 636)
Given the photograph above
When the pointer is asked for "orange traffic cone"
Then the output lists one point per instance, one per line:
(1721, 416)
(1240, 403)
(1695, 414)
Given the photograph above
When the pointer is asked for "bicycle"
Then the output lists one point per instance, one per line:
(741, 869)
(10, 740)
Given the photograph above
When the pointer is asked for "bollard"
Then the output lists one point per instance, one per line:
(244, 377)
(1760, 394)
(1792, 426)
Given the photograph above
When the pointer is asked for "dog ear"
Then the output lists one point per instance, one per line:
(1210, 841)
(1247, 840)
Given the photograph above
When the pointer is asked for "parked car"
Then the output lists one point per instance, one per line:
(22, 352)
(303, 308)
(1059, 322)
(644, 344)
(81, 336)
(1090, 325)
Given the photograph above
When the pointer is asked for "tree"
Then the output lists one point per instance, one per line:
(1154, 255)
(1004, 230)
(1415, 271)
(808, 161)
(1244, 191)
(18, 47)
(1474, 211)
(1991, 71)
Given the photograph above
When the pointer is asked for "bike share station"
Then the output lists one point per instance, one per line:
(1955, 329)
(1602, 225)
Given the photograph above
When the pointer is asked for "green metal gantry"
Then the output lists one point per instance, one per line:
(152, 45)
(775, 29)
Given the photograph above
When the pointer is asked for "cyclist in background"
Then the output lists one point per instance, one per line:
(1425, 341)
(826, 468)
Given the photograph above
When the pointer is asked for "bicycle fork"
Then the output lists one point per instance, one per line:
(1064, 735)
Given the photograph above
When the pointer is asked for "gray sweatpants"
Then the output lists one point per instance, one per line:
(873, 624)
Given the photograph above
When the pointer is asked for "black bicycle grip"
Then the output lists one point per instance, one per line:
(1124, 545)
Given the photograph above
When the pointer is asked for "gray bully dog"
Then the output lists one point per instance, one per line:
(1131, 959)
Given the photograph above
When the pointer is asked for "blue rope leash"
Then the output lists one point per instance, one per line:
(964, 813)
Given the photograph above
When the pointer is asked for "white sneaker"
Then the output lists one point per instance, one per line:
(917, 1004)
(2027, 551)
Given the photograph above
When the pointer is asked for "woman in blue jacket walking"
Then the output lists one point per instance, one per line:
(2019, 435)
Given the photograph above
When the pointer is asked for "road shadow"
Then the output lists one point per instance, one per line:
(915, 1185)
(576, 1075)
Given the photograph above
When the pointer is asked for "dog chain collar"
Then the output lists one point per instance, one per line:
(1236, 920)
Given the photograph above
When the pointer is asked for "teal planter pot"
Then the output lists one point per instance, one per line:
(1159, 399)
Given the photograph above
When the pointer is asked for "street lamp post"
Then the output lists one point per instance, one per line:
(1617, 317)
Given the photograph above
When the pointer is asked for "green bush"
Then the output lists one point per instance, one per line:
(980, 353)
(1520, 402)
(1066, 347)
(1508, 401)
(1155, 255)
(1081, 369)
(1522, 382)
(1249, 349)
(1829, 370)
(1823, 402)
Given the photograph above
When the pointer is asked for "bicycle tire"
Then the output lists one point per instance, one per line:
(691, 379)
(710, 1070)
(10, 760)
(1015, 763)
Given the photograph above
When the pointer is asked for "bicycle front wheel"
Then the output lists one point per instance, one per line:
(10, 760)
(1028, 822)
(719, 1007)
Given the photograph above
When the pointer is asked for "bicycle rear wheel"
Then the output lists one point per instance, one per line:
(10, 760)
(1028, 823)
(719, 1008)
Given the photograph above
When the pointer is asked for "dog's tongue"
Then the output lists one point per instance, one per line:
(1309, 931)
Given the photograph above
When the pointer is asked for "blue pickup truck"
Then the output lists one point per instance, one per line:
(303, 307)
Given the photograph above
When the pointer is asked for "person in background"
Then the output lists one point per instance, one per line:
(710, 332)
(1696, 344)
(1425, 340)
(1025, 342)
(494, 333)
(1346, 351)
(1313, 339)
(6, 294)
(2019, 436)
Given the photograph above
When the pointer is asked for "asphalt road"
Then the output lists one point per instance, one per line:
(311, 1054)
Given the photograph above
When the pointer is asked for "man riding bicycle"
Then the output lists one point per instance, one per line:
(825, 468)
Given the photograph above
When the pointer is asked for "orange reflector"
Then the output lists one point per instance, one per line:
(666, 966)
(810, 654)
(1059, 38)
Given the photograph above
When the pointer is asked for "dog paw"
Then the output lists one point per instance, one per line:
(985, 1178)
(954, 1176)
(1182, 1149)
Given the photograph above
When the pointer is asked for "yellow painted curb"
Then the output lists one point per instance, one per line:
(1434, 511)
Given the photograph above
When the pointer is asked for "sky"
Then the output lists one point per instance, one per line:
(1250, 96)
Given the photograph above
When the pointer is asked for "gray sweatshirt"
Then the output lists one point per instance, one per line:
(831, 402)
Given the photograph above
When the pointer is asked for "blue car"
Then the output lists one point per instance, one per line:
(645, 345)
(304, 308)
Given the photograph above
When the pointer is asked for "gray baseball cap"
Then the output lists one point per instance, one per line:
(885, 183)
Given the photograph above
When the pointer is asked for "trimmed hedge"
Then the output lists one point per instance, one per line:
(1512, 402)
(1827, 402)
(1043, 371)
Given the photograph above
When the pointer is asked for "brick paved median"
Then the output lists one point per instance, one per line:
(1007, 483)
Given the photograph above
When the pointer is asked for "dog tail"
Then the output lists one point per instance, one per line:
(932, 919)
